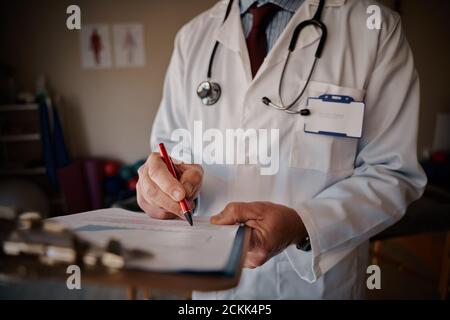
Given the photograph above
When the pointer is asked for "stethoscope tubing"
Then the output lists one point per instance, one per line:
(315, 21)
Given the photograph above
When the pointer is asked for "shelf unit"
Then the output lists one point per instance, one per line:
(23, 171)
(18, 107)
(20, 140)
(20, 137)
(21, 150)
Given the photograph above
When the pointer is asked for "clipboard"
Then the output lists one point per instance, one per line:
(24, 266)
(234, 259)
(187, 280)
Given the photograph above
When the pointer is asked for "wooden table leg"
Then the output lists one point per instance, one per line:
(132, 293)
(444, 277)
(147, 293)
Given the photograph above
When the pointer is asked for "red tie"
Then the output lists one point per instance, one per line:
(256, 39)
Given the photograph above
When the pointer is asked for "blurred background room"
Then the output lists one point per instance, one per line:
(74, 129)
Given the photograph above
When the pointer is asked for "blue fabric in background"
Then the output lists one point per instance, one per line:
(53, 146)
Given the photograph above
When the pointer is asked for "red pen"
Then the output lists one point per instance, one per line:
(183, 203)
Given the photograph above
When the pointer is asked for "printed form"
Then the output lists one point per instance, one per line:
(174, 244)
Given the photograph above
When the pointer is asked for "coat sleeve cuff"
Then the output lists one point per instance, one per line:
(311, 265)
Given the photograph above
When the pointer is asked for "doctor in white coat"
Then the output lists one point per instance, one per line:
(330, 192)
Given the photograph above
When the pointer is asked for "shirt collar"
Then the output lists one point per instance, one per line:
(288, 5)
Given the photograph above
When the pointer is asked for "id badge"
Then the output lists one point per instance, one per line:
(335, 115)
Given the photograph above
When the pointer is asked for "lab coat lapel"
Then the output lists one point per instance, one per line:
(231, 36)
(307, 37)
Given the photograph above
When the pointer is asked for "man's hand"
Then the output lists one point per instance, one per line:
(158, 192)
(274, 227)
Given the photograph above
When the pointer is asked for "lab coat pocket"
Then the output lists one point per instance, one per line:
(324, 153)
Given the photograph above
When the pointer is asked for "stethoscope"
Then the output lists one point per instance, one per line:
(209, 92)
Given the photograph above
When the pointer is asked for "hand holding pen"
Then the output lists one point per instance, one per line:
(159, 192)
(185, 209)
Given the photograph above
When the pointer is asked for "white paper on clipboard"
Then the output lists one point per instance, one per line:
(174, 244)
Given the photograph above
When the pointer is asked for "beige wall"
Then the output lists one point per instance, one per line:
(110, 112)
(107, 112)
(427, 26)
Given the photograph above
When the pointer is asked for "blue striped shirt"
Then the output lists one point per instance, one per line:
(278, 22)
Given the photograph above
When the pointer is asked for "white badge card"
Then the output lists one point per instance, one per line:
(335, 115)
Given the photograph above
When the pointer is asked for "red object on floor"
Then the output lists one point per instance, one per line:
(111, 168)
(94, 178)
(81, 184)
(72, 181)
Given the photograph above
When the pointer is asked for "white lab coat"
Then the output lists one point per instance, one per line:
(345, 190)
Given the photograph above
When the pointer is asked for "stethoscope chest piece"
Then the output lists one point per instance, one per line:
(209, 92)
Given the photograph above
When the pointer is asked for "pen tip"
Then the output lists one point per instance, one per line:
(188, 217)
